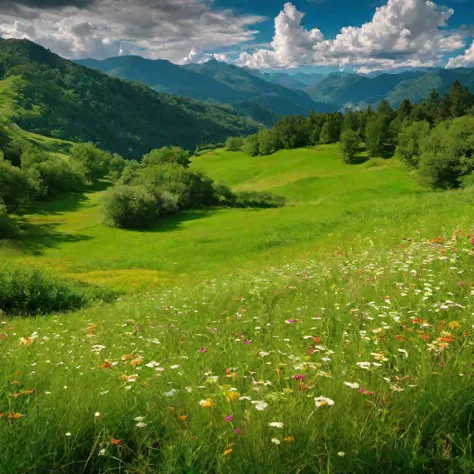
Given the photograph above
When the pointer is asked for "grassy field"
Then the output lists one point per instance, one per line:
(331, 206)
(333, 335)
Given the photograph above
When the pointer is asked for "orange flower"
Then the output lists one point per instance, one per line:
(2, 415)
(137, 361)
(14, 416)
(107, 365)
(28, 392)
(15, 395)
(183, 417)
(288, 439)
(454, 325)
(227, 451)
(26, 341)
(115, 441)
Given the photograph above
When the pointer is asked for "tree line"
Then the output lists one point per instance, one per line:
(434, 136)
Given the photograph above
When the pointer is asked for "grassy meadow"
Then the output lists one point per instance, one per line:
(333, 335)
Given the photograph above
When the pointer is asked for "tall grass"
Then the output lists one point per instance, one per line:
(30, 291)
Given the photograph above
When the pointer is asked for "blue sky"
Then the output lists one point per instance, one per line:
(262, 34)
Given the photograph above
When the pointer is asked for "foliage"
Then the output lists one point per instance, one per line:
(234, 143)
(29, 291)
(14, 186)
(409, 141)
(130, 207)
(261, 199)
(448, 153)
(93, 161)
(167, 155)
(350, 145)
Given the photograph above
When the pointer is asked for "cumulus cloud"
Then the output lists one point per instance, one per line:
(196, 56)
(292, 44)
(463, 60)
(102, 28)
(402, 33)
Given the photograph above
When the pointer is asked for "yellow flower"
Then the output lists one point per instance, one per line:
(288, 439)
(454, 325)
(231, 396)
(136, 362)
(208, 403)
(227, 452)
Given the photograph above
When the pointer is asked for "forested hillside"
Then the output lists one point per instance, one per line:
(58, 98)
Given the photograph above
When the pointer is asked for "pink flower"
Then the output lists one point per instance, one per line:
(202, 350)
(237, 431)
(248, 341)
(290, 321)
(299, 377)
(228, 418)
(472, 242)
(366, 392)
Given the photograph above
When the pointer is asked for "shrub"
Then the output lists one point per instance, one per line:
(94, 161)
(409, 142)
(29, 291)
(224, 195)
(234, 143)
(7, 229)
(130, 207)
(14, 186)
(350, 145)
(164, 155)
(262, 199)
(448, 153)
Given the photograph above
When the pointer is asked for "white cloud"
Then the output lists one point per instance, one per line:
(155, 29)
(292, 45)
(402, 33)
(463, 60)
(196, 56)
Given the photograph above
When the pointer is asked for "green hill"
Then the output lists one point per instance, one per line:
(213, 81)
(51, 96)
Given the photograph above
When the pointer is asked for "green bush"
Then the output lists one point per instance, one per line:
(262, 199)
(234, 143)
(350, 145)
(14, 186)
(164, 155)
(29, 291)
(7, 229)
(129, 207)
(409, 142)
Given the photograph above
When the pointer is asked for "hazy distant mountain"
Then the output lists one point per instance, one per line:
(294, 81)
(213, 81)
(361, 90)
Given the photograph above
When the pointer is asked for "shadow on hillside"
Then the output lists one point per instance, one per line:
(69, 202)
(360, 159)
(33, 239)
(176, 221)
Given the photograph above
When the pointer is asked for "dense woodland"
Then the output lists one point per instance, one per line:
(436, 136)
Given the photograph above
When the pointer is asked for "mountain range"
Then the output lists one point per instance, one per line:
(246, 90)
(265, 95)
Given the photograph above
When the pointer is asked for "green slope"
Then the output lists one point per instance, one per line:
(58, 98)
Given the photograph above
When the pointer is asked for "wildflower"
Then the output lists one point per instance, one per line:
(231, 396)
(364, 365)
(237, 431)
(208, 403)
(248, 341)
(136, 362)
(472, 242)
(353, 385)
(227, 451)
(170, 393)
(299, 377)
(139, 418)
(323, 401)
(228, 418)
(102, 452)
(115, 441)
(202, 350)
(140, 424)
(96, 414)
(68, 434)
(259, 405)
(276, 441)
(14, 416)
(129, 378)
(454, 325)
(290, 321)
(288, 439)
(183, 417)
(404, 352)
(107, 365)
(276, 424)
(366, 392)
(341, 454)
(26, 341)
